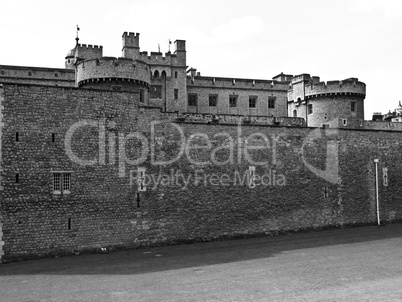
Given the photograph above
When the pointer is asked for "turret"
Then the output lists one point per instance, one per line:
(181, 51)
(331, 103)
(131, 45)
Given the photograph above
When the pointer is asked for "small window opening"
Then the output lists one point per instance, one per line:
(53, 137)
(326, 192)
(17, 137)
(138, 200)
(385, 176)
(175, 74)
(17, 178)
(69, 224)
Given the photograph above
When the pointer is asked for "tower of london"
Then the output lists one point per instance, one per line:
(142, 150)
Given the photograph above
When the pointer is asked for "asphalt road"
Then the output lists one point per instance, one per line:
(360, 264)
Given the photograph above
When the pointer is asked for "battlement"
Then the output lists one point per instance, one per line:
(131, 40)
(235, 83)
(347, 86)
(111, 67)
(130, 35)
(89, 46)
(158, 58)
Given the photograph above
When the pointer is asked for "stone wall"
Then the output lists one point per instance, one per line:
(243, 89)
(201, 192)
(100, 206)
(37, 75)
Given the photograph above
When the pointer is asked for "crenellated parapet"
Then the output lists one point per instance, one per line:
(235, 83)
(346, 87)
(306, 87)
(106, 68)
(84, 51)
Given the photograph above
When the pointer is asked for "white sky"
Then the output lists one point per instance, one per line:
(246, 39)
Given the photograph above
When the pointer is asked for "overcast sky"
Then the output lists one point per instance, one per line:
(245, 39)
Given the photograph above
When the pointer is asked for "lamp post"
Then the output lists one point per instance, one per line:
(376, 190)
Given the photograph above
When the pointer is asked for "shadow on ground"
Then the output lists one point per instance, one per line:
(148, 260)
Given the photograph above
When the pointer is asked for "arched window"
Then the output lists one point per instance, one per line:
(294, 113)
(156, 74)
(163, 74)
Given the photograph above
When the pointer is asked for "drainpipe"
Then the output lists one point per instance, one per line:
(376, 190)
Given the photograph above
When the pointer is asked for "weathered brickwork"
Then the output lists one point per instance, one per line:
(36, 221)
(37, 75)
(124, 159)
(223, 88)
(333, 103)
(199, 194)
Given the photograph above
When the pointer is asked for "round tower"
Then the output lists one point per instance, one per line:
(112, 73)
(335, 104)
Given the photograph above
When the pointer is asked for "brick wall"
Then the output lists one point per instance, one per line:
(104, 210)
(37, 75)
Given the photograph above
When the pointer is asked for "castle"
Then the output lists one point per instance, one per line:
(142, 150)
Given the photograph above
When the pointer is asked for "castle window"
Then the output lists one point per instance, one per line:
(192, 99)
(251, 180)
(142, 95)
(56, 75)
(176, 94)
(310, 108)
(326, 192)
(156, 92)
(232, 100)
(61, 182)
(2, 71)
(175, 74)
(29, 73)
(385, 176)
(252, 101)
(68, 61)
(294, 113)
(17, 137)
(344, 122)
(271, 102)
(213, 100)
(17, 178)
(353, 106)
(53, 137)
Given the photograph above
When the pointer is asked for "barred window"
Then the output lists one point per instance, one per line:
(61, 182)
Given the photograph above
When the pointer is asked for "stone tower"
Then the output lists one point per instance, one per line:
(327, 104)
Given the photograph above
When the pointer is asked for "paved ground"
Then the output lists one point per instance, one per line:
(361, 264)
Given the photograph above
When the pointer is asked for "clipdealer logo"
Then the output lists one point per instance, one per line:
(268, 145)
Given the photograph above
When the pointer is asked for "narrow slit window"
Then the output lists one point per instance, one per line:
(17, 137)
(138, 200)
(53, 137)
(326, 192)
(69, 224)
(385, 176)
(17, 178)
(251, 181)
(141, 179)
